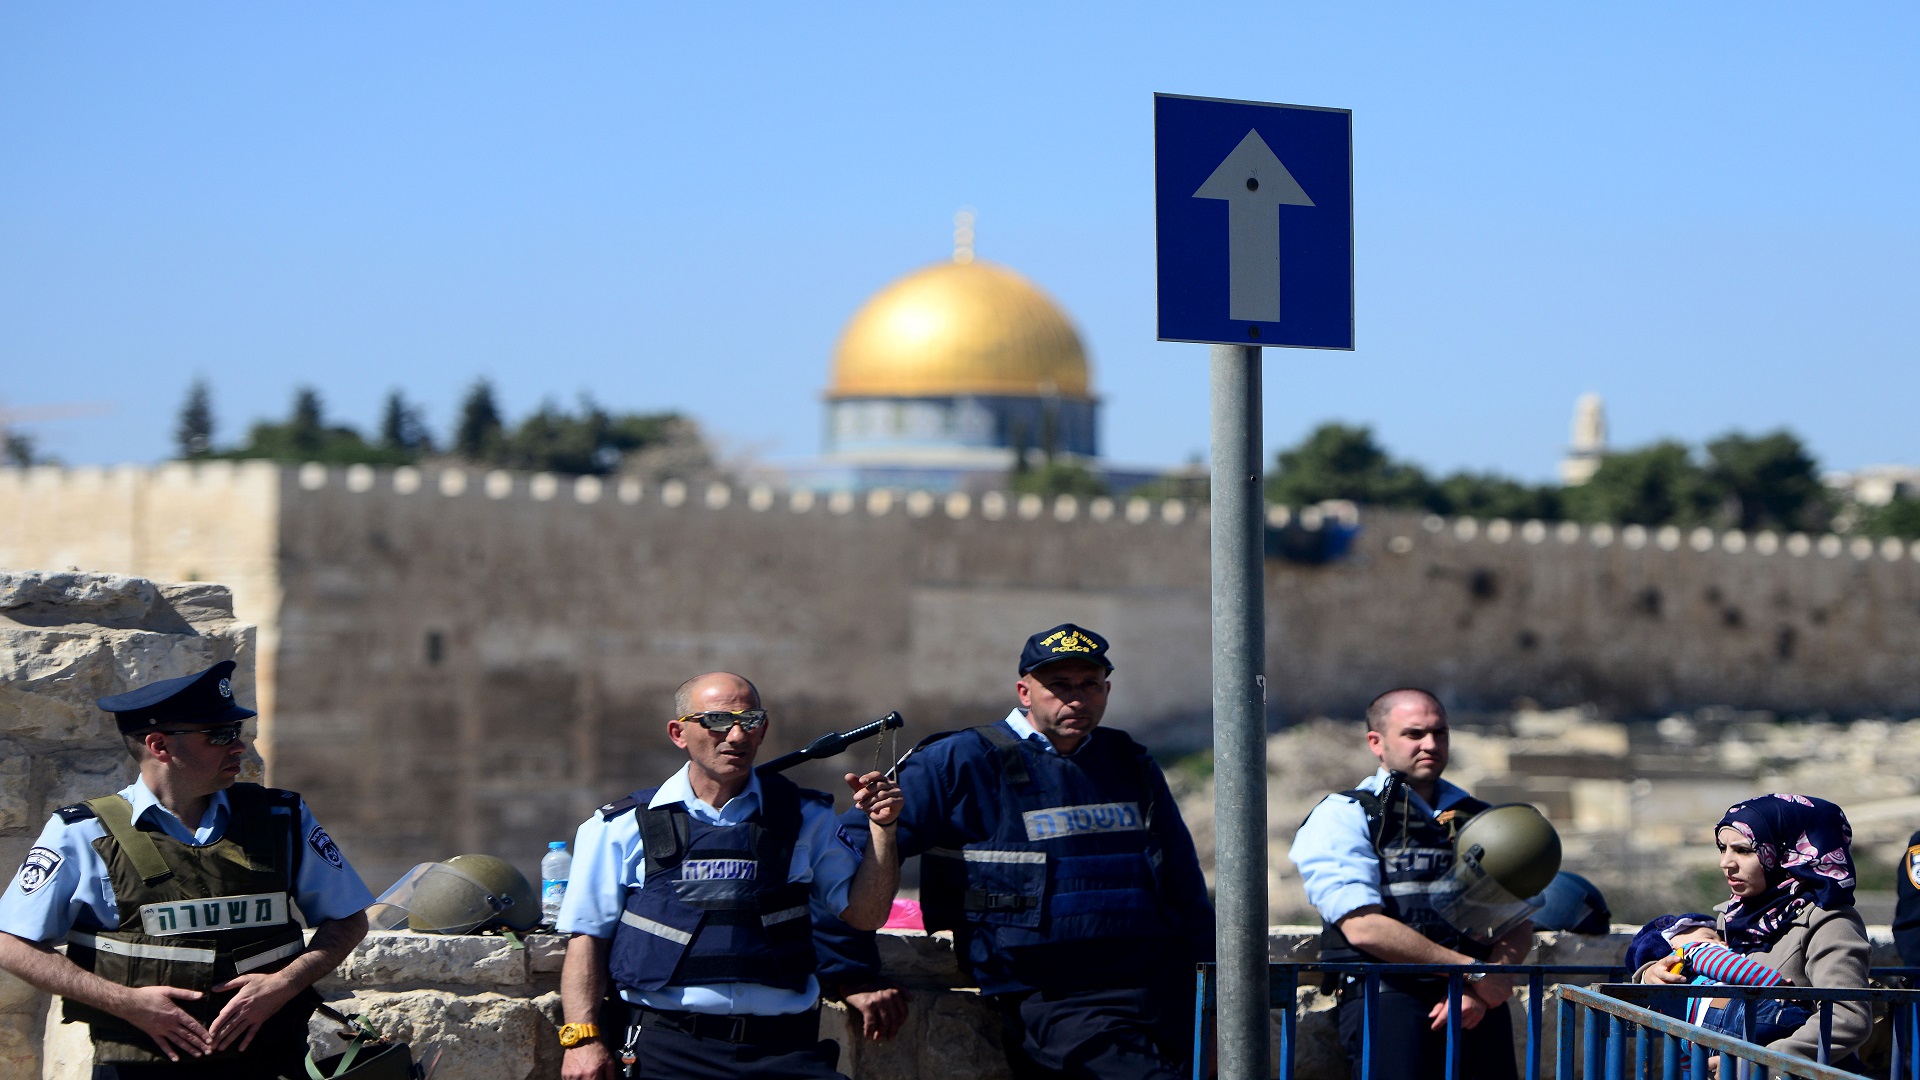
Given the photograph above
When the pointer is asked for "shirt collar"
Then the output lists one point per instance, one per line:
(143, 799)
(1446, 794)
(679, 789)
(1024, 730)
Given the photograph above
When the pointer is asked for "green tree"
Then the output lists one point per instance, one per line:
(403, 428)
(1655, 485)
(193, 436)
(19, 450)
(480, 434)
(1900, 518)
(1340, 461)
(1767, 482)
(306, 436)
(1057, 477)
(1486, 495)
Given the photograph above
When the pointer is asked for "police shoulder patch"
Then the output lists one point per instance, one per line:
(38, 868)
(76, 813)
(323, 845)
(1913, 866)
(617, 807)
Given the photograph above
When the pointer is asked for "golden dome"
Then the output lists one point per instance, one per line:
(961, 327)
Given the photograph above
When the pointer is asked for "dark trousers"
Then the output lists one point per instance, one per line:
(1405, 1047)
(664, 1054)
(1129, 1034)
(284, 1061)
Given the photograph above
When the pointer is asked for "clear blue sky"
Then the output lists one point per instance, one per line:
(1704, 212)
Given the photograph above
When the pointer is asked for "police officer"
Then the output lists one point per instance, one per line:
(175, 897)
(1367, 858)
(694, 897)
(1056, 854)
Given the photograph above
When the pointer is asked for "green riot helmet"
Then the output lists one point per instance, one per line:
(464, 895)
(1503, 858)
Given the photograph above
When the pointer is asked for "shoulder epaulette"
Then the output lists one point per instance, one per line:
(76, 813)
(619, 806)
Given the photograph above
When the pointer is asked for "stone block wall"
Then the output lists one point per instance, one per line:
(66, 639)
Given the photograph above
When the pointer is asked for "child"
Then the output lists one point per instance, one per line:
(1690, 945)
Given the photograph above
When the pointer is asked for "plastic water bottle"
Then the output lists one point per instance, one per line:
(554, 868)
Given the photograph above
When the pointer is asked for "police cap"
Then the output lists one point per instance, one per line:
(1064, 642)
(202, 698)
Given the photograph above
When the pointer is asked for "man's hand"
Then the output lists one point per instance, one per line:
(878, 797)
(152, 1010)
(1472, 1011)
(259, 998)
(881, 1011)
(588, 1061)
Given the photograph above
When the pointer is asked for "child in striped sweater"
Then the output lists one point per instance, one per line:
(1696, 949)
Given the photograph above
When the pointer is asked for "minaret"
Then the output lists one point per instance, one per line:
(1589, 441)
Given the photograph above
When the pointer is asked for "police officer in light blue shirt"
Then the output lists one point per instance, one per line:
(694, 899)
(175, 898)
(1368, 858)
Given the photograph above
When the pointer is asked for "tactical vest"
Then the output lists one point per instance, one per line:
(1415, 851)
(715, 905)
(1065, 888)
(194, 917)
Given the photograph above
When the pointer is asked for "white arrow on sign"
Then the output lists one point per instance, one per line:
(1255, 186)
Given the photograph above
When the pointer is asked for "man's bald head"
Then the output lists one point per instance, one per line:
(686, 698)
(1382, 707)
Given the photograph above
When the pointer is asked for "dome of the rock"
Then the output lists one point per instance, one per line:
(958, 329)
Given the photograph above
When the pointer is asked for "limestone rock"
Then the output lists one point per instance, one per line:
(398, 959)
(16, 792)
(481, 1037)
(74, 596)
(66, 1049)
(947, 1033)
(76, 775)
(19, 1044)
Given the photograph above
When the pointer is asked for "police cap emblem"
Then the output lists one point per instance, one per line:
(226, 688)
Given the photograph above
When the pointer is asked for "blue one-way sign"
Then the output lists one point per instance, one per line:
(1254, 206)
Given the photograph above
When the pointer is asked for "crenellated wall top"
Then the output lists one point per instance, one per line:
(1398, 532)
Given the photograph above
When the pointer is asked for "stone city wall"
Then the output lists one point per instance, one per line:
(470, 661)
(67, 639)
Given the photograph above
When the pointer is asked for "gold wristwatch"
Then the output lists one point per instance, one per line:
(572, 1035)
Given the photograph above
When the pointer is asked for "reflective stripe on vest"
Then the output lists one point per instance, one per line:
(657, 929)
(255, 963)
(179, 954)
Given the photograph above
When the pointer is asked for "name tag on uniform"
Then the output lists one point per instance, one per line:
(1061, 821)
(717, 870)
(212, 914)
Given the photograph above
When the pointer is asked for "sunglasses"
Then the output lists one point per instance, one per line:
(216, 736)
(720, 722)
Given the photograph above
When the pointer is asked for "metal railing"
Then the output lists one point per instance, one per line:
(1631, 1038)
(1285, 990)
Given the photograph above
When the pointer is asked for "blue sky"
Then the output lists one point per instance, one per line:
(1704, 212)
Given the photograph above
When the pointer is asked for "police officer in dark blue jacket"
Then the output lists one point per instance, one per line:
(1056, 855)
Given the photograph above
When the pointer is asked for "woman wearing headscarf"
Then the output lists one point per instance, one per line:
(1788, 861)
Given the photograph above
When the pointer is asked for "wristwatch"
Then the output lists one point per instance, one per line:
(572, 1035)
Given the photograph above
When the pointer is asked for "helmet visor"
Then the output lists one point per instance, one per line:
(434, 898)
(1477, 905)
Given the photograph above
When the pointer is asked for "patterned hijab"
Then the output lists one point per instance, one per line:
(1806, 847)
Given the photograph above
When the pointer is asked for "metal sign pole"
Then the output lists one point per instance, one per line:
(1239, 713)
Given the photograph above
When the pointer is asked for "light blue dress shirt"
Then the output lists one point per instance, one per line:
(608, 860)
(1335, 855)
(64, 884)
(1024, 729)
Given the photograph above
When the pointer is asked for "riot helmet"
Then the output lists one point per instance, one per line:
(464, 895)
(1571, 902)
(1503, 857)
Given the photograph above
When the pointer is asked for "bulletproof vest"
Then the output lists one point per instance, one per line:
(715, 905)
(1064, 889)
(1415, 851)
(193, 917)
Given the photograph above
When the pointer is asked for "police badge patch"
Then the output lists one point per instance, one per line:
(1913, 866)
(38, 868)
(320, 842)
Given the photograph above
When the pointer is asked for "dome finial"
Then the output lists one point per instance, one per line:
(963, 235)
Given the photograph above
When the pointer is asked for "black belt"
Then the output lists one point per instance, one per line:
(788, 1029)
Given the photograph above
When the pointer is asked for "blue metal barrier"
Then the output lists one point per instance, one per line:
(1285, 982)
(1605, 1042)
